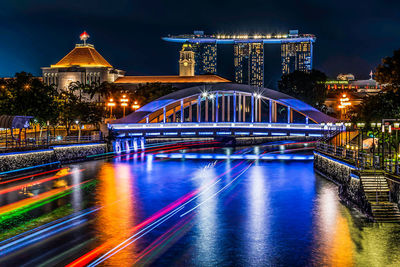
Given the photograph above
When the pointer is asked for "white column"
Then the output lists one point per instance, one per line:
(190, 111)
(252, 108)
(182, 111)
(164, 115)
(223, 108)
(199, 108)
(206, 111)
(234, 107)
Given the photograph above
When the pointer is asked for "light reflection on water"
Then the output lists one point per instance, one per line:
(118, 199)
(278, 213)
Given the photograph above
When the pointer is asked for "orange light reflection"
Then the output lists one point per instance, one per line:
(116, 220)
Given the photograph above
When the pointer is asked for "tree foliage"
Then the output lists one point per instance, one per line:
(306, 86)
(148, 92)
(26, 95)
(386, 104)
(388, 72)
(377, 107)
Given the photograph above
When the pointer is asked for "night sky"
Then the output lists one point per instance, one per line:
(352, 36)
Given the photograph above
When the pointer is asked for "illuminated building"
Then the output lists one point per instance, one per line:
(179, 82)
(205, 57)
(83, 64)
(346, 77)
(355, 91)
(249, 63)
(296, 52)
(369, 86)
(296, 56)
(186, 61)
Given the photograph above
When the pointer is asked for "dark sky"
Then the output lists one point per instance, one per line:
(352, 36)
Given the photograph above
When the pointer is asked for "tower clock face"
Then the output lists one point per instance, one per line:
(185, 64)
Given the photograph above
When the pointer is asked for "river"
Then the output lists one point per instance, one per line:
(140, 209)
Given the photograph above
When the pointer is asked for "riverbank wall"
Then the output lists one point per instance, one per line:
(12, 162)
(346, 177)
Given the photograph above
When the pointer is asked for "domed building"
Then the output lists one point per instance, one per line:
(83, 64)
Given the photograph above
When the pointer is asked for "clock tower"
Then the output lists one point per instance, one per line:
(186, 61)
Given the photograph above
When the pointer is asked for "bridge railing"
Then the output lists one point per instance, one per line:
(216, 124)
(362, 160)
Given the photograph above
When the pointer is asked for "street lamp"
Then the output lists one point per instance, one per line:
(347, 125)
(124, 103)
(135, 106)
(111, 104)
(344, 103)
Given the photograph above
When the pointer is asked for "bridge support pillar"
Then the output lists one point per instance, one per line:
(234, 107)
(272, 111)
(244, 108)
(206, 111)
(174, 115)
(216, 107)
(240, 108)
(199, 109)
(223, 108)
(252, 108)
(306, 120)
(259, 109)
(164, 115)
(229, 108)
(182, 111)
(190, 111)
(289, 115)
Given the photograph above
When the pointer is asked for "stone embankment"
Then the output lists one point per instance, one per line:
(371, 192)
(49, 157)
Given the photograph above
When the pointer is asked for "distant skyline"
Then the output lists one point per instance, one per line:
(352, 36)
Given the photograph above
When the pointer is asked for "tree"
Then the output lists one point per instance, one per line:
(377, 107)
(306, 86)
(148, 92)
(388, 72)
(74, 105)
(26, 95)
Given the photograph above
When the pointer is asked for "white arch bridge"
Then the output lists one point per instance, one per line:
(223, 110)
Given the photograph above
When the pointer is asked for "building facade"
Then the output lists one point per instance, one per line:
(84, 65)
(205, 58)
(186, 61)
(296, 52)
(353, 90)
(249, 63)
(296, 56)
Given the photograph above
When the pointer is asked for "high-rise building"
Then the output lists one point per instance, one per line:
(296, 52)
(205, 57)
(249, 63)
(186, 61)
(296, 56)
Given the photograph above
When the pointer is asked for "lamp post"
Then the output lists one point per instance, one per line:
(135, 106)
(344, 104)
(79, 130)
(396, 126)
(347, 125)
(111, 104)
(124, 103)
(360, 126)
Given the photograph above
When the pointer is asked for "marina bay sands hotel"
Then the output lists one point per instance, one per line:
(296, 53)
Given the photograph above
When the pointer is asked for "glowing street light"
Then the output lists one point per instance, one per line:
(124, 103)
(344, 103)
(111, 104)
(135, 106)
